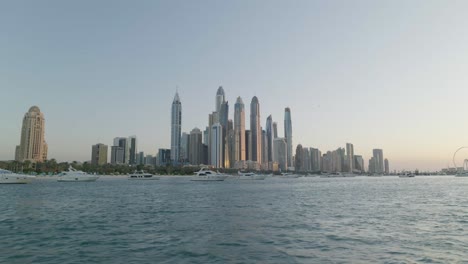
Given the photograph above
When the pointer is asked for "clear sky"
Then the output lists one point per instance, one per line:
(378, 74)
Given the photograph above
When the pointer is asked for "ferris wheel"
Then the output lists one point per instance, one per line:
(465, 161)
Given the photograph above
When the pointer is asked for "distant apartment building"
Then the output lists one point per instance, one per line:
(387, 166)
(122, 142)
(140, 158)
(372, 166)
(132, 158)
(117, 155)
(164, 157)
(150, 160)
(195, 156)
(306, 159)
(359, 163)
(248, 145)
(288, 135)
(315, 159)
(184, 147)
(280, 153)
(349, 157)
(99, 154)
(216, 146)
(299, 159)
(378, 161)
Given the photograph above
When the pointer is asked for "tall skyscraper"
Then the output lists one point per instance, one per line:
(378, 161)
(359, 163)
(316, 159)
(231, 144)
(117, 155)
(280, 153)
(340, 159)
(213, 118)
(275, 130)
(132, 150)
(270, 136)
(288, 135)
(350, 157)
(299, 159)
(223, 120)
(99, 154)
(306, 164)
(216, 145)
(141, 158)
(205, 135)
(372, 165)
(176, 126)
(264, 147)
(149, 160)
(163, 157)
(256, 132)
(219, 98)
(184, 147)
(196, 147)
(239, 130)
(248, 145)
(387, 166)
(32, 145)
(124, 143)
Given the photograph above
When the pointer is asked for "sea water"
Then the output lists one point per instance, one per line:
(174, 220)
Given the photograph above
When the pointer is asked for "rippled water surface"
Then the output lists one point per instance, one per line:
(173, 220)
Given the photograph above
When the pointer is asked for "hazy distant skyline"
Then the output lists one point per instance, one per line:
(378, 74)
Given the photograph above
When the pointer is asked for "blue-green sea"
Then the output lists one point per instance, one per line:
(174, 220)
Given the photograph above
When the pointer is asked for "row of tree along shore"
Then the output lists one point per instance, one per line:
(52, 167)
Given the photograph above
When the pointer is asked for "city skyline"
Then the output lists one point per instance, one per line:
(221, 138)
(372, 82)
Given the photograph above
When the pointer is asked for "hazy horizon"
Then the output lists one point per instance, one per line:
(386, 74)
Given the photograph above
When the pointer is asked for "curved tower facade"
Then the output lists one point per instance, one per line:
(32, 145)
(255, 130)
(239, 130)
(176, 125)
(288, 135)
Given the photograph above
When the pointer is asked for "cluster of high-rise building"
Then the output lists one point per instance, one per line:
(224, 143)
(339, 160)
(123, 151)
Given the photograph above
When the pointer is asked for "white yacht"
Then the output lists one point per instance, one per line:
(250, 176)
(462, 174)
(407, 175)
(289, 175)
(141, 175)
(337, 175)
(73, 175)
(208, 175)
(8, 177)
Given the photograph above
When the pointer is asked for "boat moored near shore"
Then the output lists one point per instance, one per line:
(73, 175)
(141, 175)
(8, 177)
(250, 176)
(208, 175)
